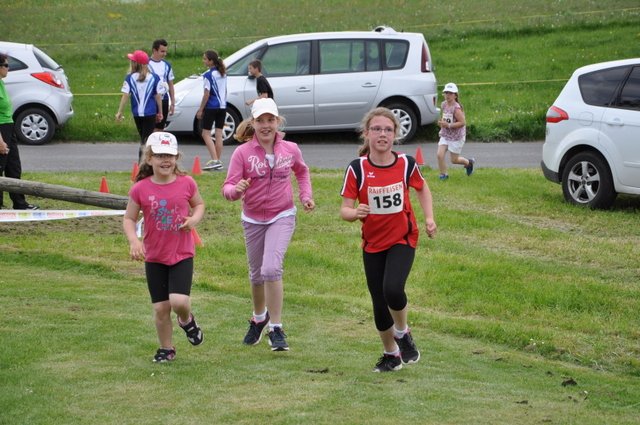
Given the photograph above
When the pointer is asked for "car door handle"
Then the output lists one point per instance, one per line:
(615, 121)
(368, 85)
(303, 90)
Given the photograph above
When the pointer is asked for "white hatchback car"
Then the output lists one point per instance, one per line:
(326, 82)
(592, 144)
(39, 93)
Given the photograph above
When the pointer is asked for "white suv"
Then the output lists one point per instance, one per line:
(39, 93)
(592, 145)
(326, 81)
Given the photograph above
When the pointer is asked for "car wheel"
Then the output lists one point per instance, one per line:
(34, 126)
(231, 123)
(408, 121)
(587, 180)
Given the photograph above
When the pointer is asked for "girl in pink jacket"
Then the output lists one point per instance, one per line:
(260, 174)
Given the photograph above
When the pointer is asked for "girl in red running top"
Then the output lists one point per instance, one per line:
(376, 192)
(172, 207)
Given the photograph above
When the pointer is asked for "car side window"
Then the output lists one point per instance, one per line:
(287, 59)
(630, 93)
(241, 67)
(395, 54)
(16, 65)
(340, 56)
(598, 88)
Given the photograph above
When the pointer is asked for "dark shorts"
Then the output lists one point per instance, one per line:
(212, 116)
(163, 280)
(165, 113)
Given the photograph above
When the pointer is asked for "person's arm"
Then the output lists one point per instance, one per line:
(123, 101)
(235, 184)
(197, 212)
(136, 247)
(172, 98)
(203, 103)
(349, 211)
(158, 98)
(459, 121)
(426, 203)
(4, 147)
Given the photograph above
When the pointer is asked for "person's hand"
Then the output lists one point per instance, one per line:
(172, 109)
(119, 116)
(4, 148)
(199, 114)
(309, 205)
(431, 228)
(362, 210)
(136, 250)
(242, 185)
(159, 117)
(187, 225)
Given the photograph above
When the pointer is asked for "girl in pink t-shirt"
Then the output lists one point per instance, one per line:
(171, 207)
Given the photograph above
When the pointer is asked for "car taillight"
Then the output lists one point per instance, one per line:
(49, 78)
(555, 114)
(425, 60)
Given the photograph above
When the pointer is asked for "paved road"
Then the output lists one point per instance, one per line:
(121, 156)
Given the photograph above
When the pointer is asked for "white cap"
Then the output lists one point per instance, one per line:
(264, 106)
(163, 142)
(450, 87)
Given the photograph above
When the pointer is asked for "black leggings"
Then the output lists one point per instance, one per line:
(386, 274)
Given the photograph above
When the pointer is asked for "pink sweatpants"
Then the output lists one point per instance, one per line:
(266, 246)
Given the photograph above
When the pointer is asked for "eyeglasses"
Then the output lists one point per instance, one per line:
(6, 65)
(388, 130)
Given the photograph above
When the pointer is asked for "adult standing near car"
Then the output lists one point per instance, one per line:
(163, 69)
(10, 164)
(145, 90)
(213, 106)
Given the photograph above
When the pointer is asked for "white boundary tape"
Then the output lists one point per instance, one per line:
(11, 216)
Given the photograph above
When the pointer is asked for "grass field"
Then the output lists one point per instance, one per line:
(524, 307)
(510, 60)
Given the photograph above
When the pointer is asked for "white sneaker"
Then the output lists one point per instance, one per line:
(213, 164)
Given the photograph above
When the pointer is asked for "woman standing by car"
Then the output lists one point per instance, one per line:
(145, 90)
(10, 164)
(213, 106)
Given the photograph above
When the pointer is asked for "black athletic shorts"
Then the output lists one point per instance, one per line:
(163, 280)
(213, 116)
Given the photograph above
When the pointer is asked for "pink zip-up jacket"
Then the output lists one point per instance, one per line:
(270, 191)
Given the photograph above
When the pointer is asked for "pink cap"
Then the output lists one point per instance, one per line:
(139, 56)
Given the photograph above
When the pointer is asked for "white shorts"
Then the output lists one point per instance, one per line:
(454, 146)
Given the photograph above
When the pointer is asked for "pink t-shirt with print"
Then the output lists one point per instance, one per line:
(164, 207)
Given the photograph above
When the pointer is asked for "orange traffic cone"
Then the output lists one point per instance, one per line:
(104, 187)
(196, 238)
(196, 170)
(419, 158)
(134, 171)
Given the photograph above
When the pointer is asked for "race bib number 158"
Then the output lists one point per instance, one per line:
(386, 199)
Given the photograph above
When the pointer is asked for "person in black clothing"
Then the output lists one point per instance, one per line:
(262, 85)
(10, 164)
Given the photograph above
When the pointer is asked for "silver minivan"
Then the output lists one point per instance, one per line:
(326, 81)
(39, 93)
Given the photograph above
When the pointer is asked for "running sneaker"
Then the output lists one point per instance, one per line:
(164, 355)
(254, 333)
(408, 351)
(388, 363)
(277, 340)
(472, 162)
(213, 164)
(443, 176)
(193, 331)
